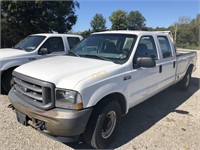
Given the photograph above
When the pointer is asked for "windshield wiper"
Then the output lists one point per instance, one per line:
(96, 57)
(70, 51)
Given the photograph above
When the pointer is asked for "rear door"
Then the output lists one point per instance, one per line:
(167, 67)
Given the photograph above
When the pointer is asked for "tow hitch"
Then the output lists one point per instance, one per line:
(37, 124)
(11, 106)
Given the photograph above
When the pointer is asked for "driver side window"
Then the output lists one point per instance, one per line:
(146, 48)
(53, 44)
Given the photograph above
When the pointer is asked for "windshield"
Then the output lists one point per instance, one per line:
(30, 43)
(112, 47)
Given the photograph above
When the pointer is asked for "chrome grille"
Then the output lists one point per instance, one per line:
(35, 92)
(30, 90)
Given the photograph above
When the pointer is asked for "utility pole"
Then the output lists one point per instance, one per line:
(175, 33)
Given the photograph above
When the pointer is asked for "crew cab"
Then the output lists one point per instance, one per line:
(33, 47)
(87, 91)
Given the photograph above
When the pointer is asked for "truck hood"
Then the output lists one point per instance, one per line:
(9, 52)
(65, 71)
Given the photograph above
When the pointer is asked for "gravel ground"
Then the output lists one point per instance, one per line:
(170, 120)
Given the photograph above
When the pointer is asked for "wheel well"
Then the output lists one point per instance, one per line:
(118, 97)
(12, 68)
(1, 76)
(190, 68)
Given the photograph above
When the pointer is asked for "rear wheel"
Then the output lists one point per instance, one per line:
(185, 82)
(6, 81)
(103, 125)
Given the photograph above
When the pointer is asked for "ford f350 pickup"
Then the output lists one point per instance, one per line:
(33, 47)
(87, 91)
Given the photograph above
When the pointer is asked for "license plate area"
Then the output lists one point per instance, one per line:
(22, 118)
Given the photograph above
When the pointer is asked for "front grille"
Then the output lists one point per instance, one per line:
(36, 92)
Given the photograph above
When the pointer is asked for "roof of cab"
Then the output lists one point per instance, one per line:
(57, 34)
(131, 32)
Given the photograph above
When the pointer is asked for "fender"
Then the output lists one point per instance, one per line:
(101, 92)
(13, 63)
(190, 64)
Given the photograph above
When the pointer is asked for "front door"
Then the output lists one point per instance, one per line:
(144, 82)
(54, 46)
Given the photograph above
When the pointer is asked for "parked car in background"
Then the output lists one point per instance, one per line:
(88, 91)
(33, 47)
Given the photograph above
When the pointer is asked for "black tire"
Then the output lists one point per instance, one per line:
(6, 80)
(103, 125)
(184, 84)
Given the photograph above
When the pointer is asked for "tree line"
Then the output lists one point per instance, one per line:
(120, 20)
(22, 18)
(185, 31)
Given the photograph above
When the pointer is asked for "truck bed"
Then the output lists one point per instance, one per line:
(184, 58)
(184, 52)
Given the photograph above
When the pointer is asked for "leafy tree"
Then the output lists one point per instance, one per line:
(135, 20)
(195, 31)
(183, 20)
(21, 18)
(98, 23)
(187, 31)
(119, 20)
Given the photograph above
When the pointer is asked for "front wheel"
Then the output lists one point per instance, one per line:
(100, 134)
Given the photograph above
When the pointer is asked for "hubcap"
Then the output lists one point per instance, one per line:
(109, 124)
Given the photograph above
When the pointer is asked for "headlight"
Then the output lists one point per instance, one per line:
(68, 99)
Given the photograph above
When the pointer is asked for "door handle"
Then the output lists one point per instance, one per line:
(174, 64)
(160, 68)
(30, 59)
(127, 78)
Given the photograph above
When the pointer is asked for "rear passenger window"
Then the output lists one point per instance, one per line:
(165, 46)
(73, 41)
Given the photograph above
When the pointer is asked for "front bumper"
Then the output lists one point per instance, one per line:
(57, 122)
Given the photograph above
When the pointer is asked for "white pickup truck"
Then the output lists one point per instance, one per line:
(88, 91)
(33, 47)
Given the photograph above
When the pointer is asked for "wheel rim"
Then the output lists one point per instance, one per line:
(187, 80)
(109, 124)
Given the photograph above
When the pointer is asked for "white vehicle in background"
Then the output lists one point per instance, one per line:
(33, 47)
(88, 91)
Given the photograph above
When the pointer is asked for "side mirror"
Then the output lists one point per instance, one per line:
(146, 62)
(43, 51)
